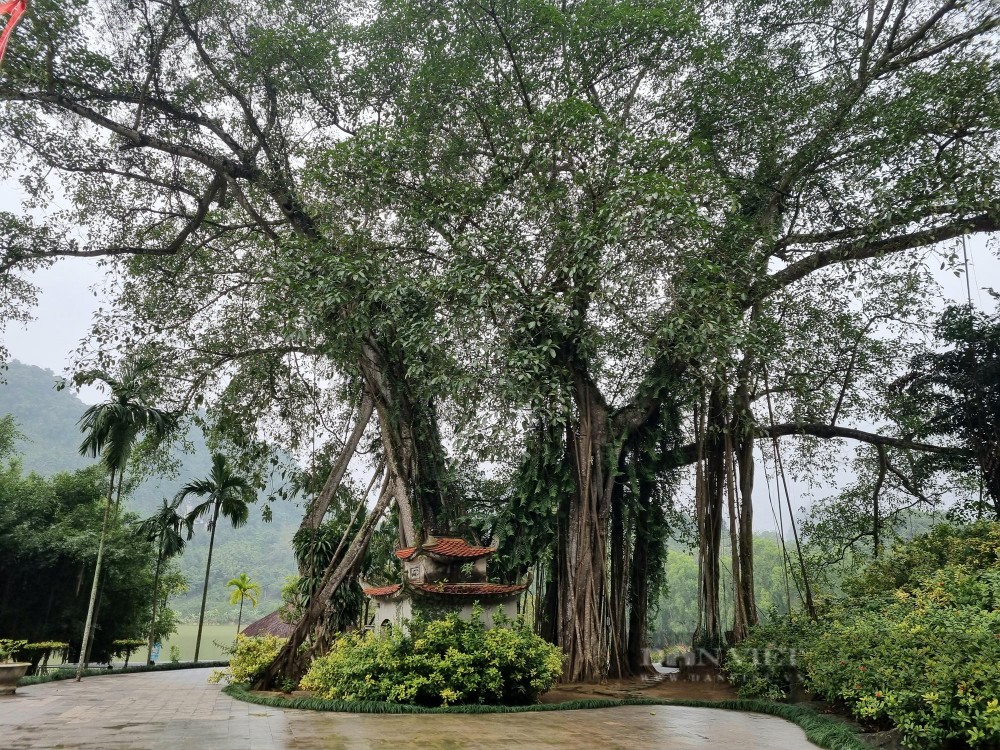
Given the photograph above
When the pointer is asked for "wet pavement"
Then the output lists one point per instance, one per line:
(179, 710)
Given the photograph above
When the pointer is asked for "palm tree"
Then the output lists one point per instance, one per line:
(243, 588)
(227, 493)
(163, 527)
(111, 429)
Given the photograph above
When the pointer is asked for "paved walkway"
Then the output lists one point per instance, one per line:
(179, 710)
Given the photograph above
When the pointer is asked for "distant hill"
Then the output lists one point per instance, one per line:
(48, 419)
(46, 416)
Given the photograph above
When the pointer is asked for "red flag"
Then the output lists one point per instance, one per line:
(14, 9)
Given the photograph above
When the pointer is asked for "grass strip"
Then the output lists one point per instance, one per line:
(820, 730)
(67, 674)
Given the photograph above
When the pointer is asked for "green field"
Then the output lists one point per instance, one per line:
(185, 636)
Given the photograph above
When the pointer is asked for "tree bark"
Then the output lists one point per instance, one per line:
(739, 613)
(639, 584)
(290, 663)
(156, 600)
(745, 466)
(411, 442)
(208, 570)
(709, 634)
(620, 563)
(85, 643)
(318, 508)
(581, 630)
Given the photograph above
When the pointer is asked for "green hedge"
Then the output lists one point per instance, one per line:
(820, 730)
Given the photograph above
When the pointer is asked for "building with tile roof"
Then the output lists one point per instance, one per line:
(444, 574)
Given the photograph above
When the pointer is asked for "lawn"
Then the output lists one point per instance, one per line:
(185, 637)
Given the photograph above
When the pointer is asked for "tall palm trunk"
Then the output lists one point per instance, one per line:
(156, 600)
(239, 620)
(204, 592)
(84, 645)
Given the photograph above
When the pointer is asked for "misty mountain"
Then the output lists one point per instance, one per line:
(48, 420)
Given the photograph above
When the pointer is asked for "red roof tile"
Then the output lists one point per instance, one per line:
(382, 590)
(470, 589)
(452, 547)
(406, 553)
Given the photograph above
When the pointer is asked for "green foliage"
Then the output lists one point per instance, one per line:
(112, 428)
(46, 646)
(974, 546)
(928, 662)
(526, 527)
(9, 647)
(48, 539)
(763, 664)
(439, 663)
(248, 658)
(916, 644)
(243, 589)
(954, 392)
(175, 655)
(224, 492)
(9, 435)
(125, 647)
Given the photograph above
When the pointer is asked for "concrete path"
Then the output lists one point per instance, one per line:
(179, 710)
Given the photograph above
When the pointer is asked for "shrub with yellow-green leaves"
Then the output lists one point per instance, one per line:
(248, 658)
(927, 661)
(915, 645)
(438, 663)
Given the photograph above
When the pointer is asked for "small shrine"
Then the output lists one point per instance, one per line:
(442, 575)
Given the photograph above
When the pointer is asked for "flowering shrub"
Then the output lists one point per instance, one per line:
(248, 658)
(439, 662)
(916, 644)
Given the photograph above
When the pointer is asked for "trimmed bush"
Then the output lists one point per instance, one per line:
(439, 663)
(248, 658)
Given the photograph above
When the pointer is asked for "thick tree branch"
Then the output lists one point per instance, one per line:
(688, 454)
(134, 138)
(863, 249)
(828, 431)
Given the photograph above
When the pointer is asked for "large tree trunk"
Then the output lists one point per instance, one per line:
(581, 630)
(411, 441)
(709, 503)
(318, 508)
(640, 572)
(291, 663)
(620, 563)
(745, 467)
(415, 479)
(739, 611)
